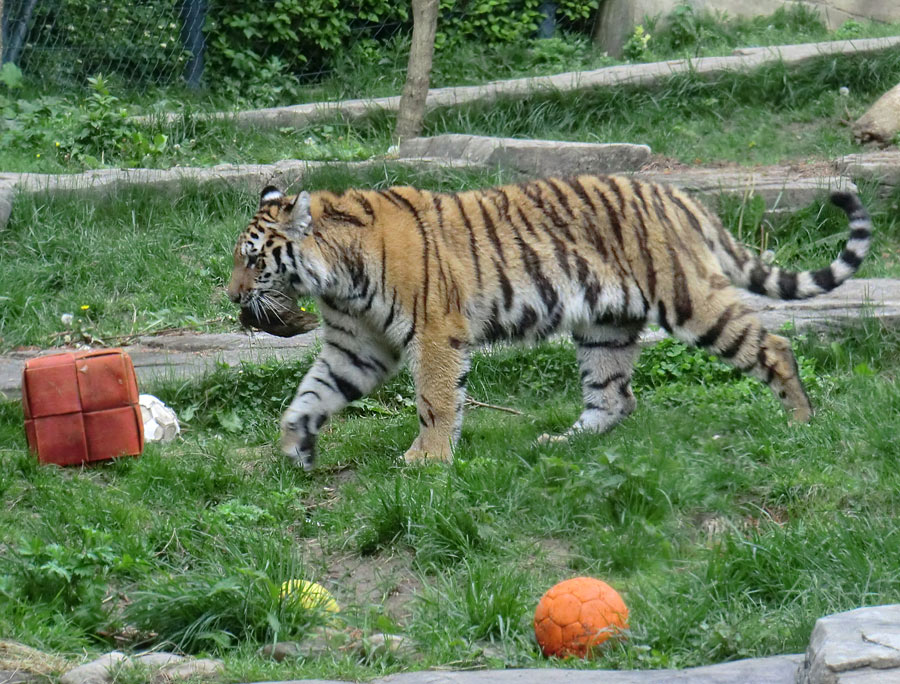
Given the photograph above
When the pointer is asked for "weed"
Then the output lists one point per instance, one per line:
(636, 48)
(212, 608)
(199, 535)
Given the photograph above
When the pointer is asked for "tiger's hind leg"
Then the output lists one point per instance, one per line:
(733, 332)
(606, 354)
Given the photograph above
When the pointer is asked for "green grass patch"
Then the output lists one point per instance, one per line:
(774, 113)
(141, 261)
(686, 32)
(759, 117)
(727, 530)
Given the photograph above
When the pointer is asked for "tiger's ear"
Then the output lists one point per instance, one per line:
(269, 194)
(301, 218)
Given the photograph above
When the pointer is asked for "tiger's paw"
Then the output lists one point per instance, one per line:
(416, 456)
(300, 458)
(299, 448)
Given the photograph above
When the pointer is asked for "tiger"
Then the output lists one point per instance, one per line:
(403, 275)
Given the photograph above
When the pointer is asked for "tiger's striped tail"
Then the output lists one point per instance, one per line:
(756, 276)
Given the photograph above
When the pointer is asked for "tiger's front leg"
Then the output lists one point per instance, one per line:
(349, 366)
(440, 365)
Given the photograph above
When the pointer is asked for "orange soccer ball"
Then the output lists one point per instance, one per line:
(577, 615)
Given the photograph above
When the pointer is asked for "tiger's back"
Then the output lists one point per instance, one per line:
(405, 273)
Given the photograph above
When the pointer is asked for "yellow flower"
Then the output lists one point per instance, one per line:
(38, 155)
(57, 143)
(85, 307)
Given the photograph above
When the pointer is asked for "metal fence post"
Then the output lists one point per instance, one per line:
(15, 40)
(193, 17)
(2, 30)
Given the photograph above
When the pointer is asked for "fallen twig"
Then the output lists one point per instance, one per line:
(481, 404)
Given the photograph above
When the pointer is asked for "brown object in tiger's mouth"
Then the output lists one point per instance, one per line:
(287, 323)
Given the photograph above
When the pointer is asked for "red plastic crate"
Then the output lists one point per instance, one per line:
(82, 407)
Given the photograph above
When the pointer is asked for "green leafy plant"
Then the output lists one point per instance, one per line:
(670, 361)
(102, 129)
(637, 48)
(849, 29)
(11, 76)
(73, 575)
(260, 50)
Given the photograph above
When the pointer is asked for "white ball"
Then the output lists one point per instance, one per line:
(160, 422)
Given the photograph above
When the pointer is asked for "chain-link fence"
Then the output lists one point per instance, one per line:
(227, 45)
(165, 42)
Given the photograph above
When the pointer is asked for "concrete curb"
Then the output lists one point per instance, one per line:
(774, 670)
(186, 355)
(631, 74)
(285, 173)
(783, 187)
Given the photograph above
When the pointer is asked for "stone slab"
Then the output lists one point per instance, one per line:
(857, 298)
(252, 176)
(99, 183)
(179, 357)
(96, 671)
(634, 74)
(172, 358)
(7, 195)
(19, 677)
(774, 670)
(882, 167)
(881, 123)
(530, 157)
(783, 188)
(861, 646)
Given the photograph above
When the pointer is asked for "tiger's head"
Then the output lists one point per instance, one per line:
(276, 260)
(273, 259)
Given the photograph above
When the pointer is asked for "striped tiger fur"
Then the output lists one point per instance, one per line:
(406, 274)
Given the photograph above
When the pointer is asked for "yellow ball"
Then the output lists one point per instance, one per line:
(309, 595)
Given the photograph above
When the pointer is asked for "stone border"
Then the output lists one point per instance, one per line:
(783, 187)
(178, 357)
(285, 172)
(742, 59)
(101, 182)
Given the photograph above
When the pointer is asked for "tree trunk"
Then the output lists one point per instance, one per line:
(418, 72)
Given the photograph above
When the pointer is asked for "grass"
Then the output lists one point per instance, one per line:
(761, 117)
(774, 114)
(143, 261)
(727, 531)
(770, 115)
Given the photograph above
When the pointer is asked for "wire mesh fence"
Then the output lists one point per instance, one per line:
(147, 43)
(228, 45)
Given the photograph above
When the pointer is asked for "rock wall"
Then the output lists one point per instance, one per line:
(618, 17)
